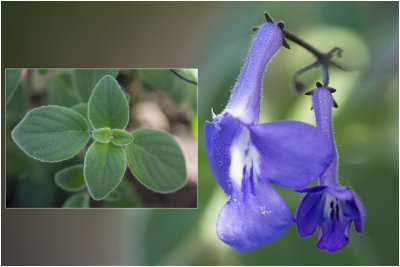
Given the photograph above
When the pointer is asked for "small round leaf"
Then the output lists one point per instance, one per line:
(156, 160)
(71, 178)
(107, 105)
(102, 135)
(51, 133)
(104, 167)
(121, 137)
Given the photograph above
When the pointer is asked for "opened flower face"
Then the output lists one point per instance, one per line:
(329, 205)
(247, 158)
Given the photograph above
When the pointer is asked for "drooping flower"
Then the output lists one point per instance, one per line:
(247, 157)
(329, 205)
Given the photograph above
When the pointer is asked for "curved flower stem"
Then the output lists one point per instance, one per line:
(181, 77)
(325, 72)
(300, 42)
(323, 59)
(298, 86)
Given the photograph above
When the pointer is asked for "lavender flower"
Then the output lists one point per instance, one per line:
(247, 157)
(330, 205)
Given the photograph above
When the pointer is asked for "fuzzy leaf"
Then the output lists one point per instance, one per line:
(71, 178)
(51, 133)
(156, 160)
(86, 79)
(121, 137)
(13, 77)
(102, 135)
(80, 200)
(104, 167)
(107, 105)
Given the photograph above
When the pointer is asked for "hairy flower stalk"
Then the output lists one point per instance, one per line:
(329, 205)
(247, 158)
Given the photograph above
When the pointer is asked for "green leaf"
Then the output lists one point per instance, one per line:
(102, 135)
(71, 178)
(13, 77)
(61, 91)
(81, 108)
(80, 200)
(86, 79)
(156, 160)
(113, 196)
(104, 167)
(107, 105)
(121, 137)
(51, 133)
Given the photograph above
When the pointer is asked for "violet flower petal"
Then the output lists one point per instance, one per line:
(218, 141)
(294, 153)
(308, 212)
(359, 219)
(333, 209)
(333, 235)
(253, 216)
(355, 209)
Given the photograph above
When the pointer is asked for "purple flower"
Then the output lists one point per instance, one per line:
(329, 205)
(247, 157)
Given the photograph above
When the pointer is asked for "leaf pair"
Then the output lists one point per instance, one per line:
(116, 136)
(105, 161)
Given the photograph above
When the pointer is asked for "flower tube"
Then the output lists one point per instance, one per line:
(329, 205)
(247, 158)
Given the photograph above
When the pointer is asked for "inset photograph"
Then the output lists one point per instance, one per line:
(101, 138)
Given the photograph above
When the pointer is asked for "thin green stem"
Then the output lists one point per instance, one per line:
(323, 59)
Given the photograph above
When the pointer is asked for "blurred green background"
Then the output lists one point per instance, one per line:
(215, 37)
